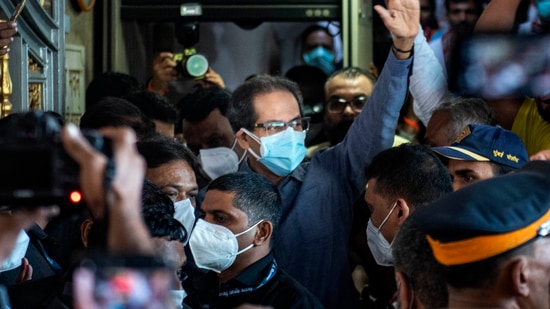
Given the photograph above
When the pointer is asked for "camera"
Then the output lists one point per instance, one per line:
(36, 170)
(190, 65)
(494, 66)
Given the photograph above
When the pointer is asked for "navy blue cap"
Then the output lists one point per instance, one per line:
(487, 218)
(479, 142)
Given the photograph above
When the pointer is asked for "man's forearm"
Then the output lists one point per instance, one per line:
(428, 83)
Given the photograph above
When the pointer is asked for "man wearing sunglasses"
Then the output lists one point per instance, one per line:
(266, 114)
(346, 92)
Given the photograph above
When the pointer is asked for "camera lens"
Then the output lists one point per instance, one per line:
(196, 65)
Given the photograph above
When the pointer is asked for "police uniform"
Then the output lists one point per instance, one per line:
(487, 219)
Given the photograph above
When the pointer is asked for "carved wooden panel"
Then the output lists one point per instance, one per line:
(37, 57)
(75, 84)
(35, 96)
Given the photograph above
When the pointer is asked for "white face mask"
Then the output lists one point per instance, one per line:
(219, 161)
(215, 247)
(14, 259)
(378, 245)
(177, 297)
(185, 214)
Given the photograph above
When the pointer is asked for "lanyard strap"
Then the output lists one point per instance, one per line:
(237, 291)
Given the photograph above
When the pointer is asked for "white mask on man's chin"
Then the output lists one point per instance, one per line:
(14, 259)
(185, 214)
(177, 297)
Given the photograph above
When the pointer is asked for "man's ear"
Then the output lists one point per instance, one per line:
(402, 210)
(520, 275)
(85, 230)
(242, 139)
(405, 294)
(263, 234)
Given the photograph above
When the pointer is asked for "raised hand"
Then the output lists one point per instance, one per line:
(402, 18)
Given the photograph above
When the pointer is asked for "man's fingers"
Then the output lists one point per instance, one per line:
(384, 14)
(76, 146)
(8, 25)
(121, 137)
(25, 272)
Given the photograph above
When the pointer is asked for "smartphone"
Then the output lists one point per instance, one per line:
(494, 66)
(122, 282)
(18, 10)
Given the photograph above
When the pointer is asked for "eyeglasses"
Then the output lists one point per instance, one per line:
(272, 127)
(337, 105)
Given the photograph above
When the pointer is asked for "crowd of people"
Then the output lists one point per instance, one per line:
(393, 192)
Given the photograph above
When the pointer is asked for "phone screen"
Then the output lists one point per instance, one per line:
(501, 66)
(122, 285)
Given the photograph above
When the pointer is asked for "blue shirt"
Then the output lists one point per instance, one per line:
(312, 245)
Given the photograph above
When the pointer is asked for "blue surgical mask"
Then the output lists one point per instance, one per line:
(543, 7)
(321, 58)
(282, 152)
(377, 243)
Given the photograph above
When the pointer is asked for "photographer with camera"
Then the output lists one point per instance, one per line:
(127, 232)
(189, 68)
(109, 178)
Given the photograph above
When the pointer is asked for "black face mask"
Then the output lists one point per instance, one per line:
(336, 132)
(463, 28)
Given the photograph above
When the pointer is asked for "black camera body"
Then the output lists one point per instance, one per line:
(190, 65)
(34, 167)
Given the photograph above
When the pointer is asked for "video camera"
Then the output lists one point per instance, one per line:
(34, 167)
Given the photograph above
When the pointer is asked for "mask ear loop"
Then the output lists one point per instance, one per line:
(244, 232)
(254, 137)
(244, 152)
(387, 216)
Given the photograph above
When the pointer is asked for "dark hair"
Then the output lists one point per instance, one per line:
(110, 84)
(414, 258)
(501, 169)
(465, 111)
(197, 105)
(158, 213)
(412, 172)
(153, 105)
(254, 195)
(351, 73)
(241, 113)
(161, 150)
(478, 4)
(117, 112)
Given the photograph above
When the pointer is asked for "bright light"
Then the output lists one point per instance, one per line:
(75, 197)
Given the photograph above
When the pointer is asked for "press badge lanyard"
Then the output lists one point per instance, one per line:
(238, 291)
